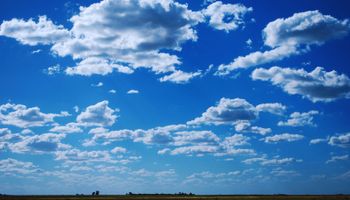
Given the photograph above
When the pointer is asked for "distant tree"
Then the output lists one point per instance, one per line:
(93, 194)
(130, 193)
(97, 193)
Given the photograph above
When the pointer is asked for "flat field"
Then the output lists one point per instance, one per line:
(171, 197)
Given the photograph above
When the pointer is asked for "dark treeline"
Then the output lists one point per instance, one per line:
(164, 194)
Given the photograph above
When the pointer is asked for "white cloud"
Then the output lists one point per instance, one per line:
(300, 119)
(117, 150)
(257, 58)
(317, 85)
(227, 111)
(291, 36)
(195, 137)
(195, 149)
(44, 143)
(76, 109)
(338, 158)
(273, 161)
(318, 140)
(283, 137)
(33, 33)
(76, 156)
(245, 126)
(340, 140)
(274, 108)
(287, 173)
(55, 69)
(235, 112)
(15, 167)
(99, 84)
(226, 17)
(249, 43)
(179, 77)
(99, 114)
(310, 27)
(21, 116)
(101, 41)
(67, 128)
(96, 66)
(132, 38)
(112, 91)
(133, 91)
(36, 51)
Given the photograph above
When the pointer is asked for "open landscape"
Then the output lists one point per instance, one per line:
(174, 99)
(174, 197)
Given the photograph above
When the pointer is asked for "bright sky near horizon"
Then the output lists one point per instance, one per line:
(163, 96)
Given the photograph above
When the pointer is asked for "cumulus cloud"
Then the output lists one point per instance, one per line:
(317, 85)
(273, 161)
(245, 126)
(177, 139)
(52, 70)
(235, 111)
(33, 33)
(274, 108)
(291, 36)
(96, 66)
(179, 77)
(117, 150)
(226, 17)
(283, 137)
(132, 38)
(227, 111)
(195, 149)
(21, 116)
(67, 128)
(44, 143)
(342, 140)
(123, 36)
(300, 119)
(99, 114)
(195, 137)
(76, 156)
(310, 27)
(15, 167)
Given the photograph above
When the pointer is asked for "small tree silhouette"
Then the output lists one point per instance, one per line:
(97, 193)
(93, 194)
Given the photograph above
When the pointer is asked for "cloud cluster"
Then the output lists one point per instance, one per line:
(126, 35)
(226, 17)
(342, 140)
(21, 116)
(237, 112)
(291, 36)
(300, 119)
(99, 114)
(317, 85)
(12, 166)
(33, 33)
(283, 137)
(175, 139)
(273, 161)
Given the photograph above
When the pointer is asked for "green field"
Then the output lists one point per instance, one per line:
(172, 197)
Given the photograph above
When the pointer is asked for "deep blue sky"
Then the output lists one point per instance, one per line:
(282, 112)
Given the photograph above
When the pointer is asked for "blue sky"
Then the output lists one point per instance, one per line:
(209, 97)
